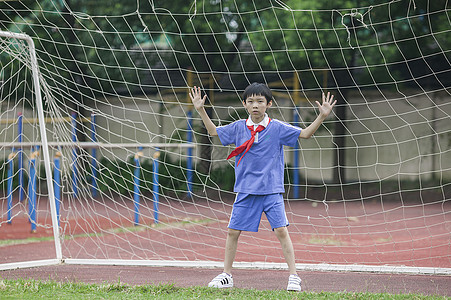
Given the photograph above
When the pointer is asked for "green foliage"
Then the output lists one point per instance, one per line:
(117, 176)
(372, 42)
(171, 175)
(224, 177)
(99, 48)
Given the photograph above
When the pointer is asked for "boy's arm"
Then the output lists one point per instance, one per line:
(198, 103)
(324, 111)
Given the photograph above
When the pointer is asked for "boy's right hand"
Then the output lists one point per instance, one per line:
(196, 98)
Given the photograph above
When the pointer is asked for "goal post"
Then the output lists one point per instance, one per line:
(33, 65)
(26, 54)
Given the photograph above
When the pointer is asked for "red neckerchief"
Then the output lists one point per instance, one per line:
(247, 144)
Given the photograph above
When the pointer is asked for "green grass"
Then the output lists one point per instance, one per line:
(4, 243)
(178, 224)
(25, 241)
(33, 289)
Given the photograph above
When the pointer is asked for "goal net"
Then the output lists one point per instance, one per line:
(105, 161)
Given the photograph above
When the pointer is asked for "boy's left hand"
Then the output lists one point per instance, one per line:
(328, 104)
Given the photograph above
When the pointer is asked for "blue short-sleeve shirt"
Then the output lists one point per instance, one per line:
(261, 171)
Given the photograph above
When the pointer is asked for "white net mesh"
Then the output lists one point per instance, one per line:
(141, 179)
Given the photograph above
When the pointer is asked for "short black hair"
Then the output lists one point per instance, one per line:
(259, 89)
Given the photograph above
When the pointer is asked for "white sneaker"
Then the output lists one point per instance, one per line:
(294, 283)
(221, 281)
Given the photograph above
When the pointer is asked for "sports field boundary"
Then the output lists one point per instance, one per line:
(386, 269)
(266, 266)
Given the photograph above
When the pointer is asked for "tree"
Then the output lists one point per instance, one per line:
(379, 46)
(93, 49)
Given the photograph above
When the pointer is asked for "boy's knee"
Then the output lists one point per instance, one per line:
(281, 232)
(233, 233)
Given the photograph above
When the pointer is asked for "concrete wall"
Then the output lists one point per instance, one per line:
(389, 135)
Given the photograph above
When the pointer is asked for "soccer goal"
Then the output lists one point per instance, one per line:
(105, 161)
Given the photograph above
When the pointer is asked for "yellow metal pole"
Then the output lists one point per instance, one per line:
(189, 79)
(296, 88)
(297, 100)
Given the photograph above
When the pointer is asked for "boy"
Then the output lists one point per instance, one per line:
(258, 171)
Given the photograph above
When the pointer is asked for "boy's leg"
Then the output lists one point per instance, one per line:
(230, 249)
(225, 280)
(287, 247)
(294, 282)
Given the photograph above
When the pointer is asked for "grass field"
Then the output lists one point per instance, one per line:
(33, 289)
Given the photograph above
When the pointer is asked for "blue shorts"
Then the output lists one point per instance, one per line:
(247, 211)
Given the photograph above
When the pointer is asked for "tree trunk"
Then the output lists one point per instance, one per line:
(339, 139)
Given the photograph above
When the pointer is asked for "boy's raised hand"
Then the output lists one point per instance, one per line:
(328, 104)
(196, 98)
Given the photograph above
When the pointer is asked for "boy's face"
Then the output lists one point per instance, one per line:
(256, 106)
